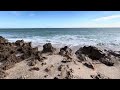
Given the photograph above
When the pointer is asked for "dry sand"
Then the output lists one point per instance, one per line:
(21, 70)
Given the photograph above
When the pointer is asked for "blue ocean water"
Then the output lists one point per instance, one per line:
(65, 36)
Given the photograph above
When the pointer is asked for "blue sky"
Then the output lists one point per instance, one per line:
(59, 19)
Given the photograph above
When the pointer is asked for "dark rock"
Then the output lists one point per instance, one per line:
(2, 74)
(48, 48)
(56, 78)
(3, 40)
(32, 63)
(43, 64)
(89, 65)
(60, 67)
(34, 68)
(91, 52)
(107, 61)
(19, 42)
(65, 51)
(66, 60)
(10, 62)
(99, 76)
(69, 75)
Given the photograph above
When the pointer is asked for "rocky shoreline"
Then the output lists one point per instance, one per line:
(20, 51)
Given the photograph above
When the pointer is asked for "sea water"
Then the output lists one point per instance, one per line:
(65, 36)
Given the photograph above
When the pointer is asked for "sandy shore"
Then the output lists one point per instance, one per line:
(53, 62)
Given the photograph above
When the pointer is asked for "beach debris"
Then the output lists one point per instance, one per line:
(65, 51)
(48, 48)
(34, 68)
(89, 65)
(99, 76)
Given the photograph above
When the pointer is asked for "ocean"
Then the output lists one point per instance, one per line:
(65, 36)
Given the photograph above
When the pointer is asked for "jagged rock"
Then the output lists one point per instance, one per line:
(65, 51)
(89, 65)
(107, 61)
(2, 74)
(110, 52)
(32, 63)
(99, 76)
(19, 42)
(48, 48)
(10, 62)
(66, 60)
(34, 68)
(91, 52)
(3, 40)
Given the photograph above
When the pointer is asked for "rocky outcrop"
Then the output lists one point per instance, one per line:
(12, 53)
(48, 48)
(65, 51)
(91, 52)
(95, 54)
(3, 40)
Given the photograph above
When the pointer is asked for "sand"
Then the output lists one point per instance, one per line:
(80, 71)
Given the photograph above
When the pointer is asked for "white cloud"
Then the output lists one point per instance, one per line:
(107, 18)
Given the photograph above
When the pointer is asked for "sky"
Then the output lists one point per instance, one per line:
(59, 19)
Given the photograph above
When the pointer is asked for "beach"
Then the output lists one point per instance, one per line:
(60, 54)
(54, 64)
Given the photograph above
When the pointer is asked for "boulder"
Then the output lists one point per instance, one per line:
(91, 52)
(3, 40)
(19, 42)
(65, 51)
(48, 48)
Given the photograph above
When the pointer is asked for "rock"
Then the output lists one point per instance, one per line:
(60, 67)
(91, 52)
(19, 42)
(44, 63)
(49, 68)
(107, 61)
(110, 52)
(89, 65)
(48, 48)
(34, 68)
(2, 74)
(99, 76)
(65, 51)
(69, 75)
(66, 60)
(3, 40)
(10, 62)
(32, 63)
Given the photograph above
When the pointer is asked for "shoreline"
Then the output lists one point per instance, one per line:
(56, 62)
